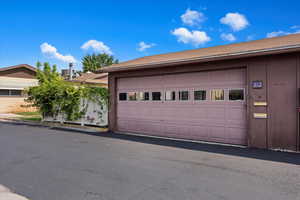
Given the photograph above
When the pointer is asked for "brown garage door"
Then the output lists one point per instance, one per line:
(207, 106)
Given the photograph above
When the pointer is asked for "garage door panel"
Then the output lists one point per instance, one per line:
(237, 77)
(199, 132)
(234, 133)
(219, 76)
(136, 126)
(236, 114)
(216, 121)
(216, 113)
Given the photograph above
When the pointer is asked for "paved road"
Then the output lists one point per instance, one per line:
(47, 164)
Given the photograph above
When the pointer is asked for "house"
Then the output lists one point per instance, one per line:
(244, 94)
(92, 79)
(13, 81)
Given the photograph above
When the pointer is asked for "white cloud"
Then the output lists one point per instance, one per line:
(236, 21)
(228, 37)
(192, 17)
(295, 27)
(277, 33)
(191, 37)
(144, 46)
(50, 50)
(97, 46)
(281, 33)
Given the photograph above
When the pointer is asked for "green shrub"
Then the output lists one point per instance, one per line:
(54, 96)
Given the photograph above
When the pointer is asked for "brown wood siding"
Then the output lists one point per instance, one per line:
(262, 133)
(112, 113)
(19, 73)
(298, 102)
(257, 70)
(282, 96)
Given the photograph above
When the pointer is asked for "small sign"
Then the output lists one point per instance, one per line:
(257, 84)
(257, 103)
(260, 115)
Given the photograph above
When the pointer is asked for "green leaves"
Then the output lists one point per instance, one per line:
(54, 96)
(96, 61)
(48, 73)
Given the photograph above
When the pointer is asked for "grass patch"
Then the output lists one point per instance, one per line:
(35, 119)
(28, 113)
(29, 116)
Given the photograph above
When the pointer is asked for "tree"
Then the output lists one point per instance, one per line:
(48, 73)
(54, 96)
(95, 62)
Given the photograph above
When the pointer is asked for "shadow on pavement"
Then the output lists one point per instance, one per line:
(262, 154)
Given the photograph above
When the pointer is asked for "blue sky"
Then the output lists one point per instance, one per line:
(62, 31)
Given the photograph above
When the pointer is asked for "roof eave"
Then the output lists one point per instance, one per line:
(244, 54)
(29, 67)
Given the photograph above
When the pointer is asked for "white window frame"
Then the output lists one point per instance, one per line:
(10, 93)
(169, 90)
(126, 97)
(201, 89)
(161, 96)
(210, 94)
(136, 98)
(244, 91)
(184, 90)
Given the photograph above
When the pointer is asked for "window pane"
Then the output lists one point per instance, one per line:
(122, 96)
(217, 94)
(147, 96)
(200, 95)
(132, 96)
(170, 96)
(143, 96)
(4, 92)
(184, 95)
(156, 96)
(16, 92)
(236, 95)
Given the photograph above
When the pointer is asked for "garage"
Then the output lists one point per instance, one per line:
(207, 106)
(245, 94)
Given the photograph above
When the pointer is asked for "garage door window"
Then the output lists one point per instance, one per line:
(122, 96)
(170, 96)
(132, 96)
(200, 95)
(183, 95)
(144, 96)
(156, 96)
(236, 95)
(217, 95)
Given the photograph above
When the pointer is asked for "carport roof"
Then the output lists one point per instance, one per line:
(276, 45)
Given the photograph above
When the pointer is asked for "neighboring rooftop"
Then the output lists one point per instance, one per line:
(19, 66)
(283, 44)
(92, 78)
(19, 71)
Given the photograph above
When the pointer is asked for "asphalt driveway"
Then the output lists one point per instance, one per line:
(47, 164)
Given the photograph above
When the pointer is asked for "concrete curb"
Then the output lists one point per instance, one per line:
(43, 125)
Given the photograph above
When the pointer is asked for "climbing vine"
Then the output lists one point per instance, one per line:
(54, 96)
